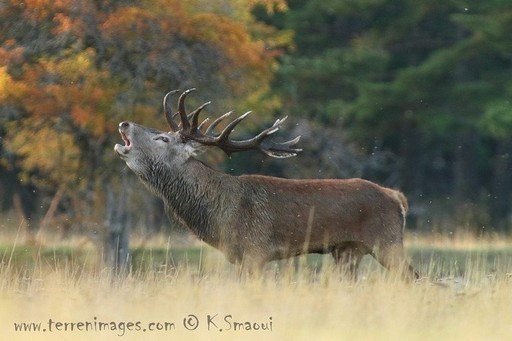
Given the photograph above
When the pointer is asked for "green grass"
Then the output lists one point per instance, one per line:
(29, 255)
(435, 261)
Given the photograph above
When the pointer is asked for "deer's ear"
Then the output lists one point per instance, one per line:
(194, 148)
(187, 148)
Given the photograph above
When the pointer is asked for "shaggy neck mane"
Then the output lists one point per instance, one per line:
(187, 193)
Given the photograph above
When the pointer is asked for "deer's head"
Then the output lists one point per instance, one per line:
(144, 145)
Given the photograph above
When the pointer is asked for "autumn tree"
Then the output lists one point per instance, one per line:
(72, 70)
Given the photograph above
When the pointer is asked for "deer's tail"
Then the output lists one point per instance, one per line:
(402, 200)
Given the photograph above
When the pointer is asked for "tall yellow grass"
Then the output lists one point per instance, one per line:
(297, 302)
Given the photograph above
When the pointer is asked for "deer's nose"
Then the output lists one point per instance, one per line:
(124, 124)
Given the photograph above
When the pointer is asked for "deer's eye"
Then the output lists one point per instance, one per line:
(163, 138)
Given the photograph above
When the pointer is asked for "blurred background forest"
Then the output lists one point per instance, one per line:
(411, 94)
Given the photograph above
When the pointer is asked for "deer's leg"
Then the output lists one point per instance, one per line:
(251, 266)
(393, 258)
(347, 257)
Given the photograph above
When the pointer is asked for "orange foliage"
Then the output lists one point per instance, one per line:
(148, 28)
(49, 151)
(231, 36)
(71, 86)
(39, 10)
(72, 83)
(64, 23)
(10, 54)
(127, 22)
(11, 90)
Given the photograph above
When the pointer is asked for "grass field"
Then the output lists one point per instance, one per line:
(189, 292)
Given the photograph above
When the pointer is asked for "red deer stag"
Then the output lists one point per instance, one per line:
(255, 219)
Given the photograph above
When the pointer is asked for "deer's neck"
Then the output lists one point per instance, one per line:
(194, 194)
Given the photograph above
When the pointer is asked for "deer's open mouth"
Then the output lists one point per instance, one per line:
(127, 143)
(120, 149)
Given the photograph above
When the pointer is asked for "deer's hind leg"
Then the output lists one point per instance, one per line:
(393, 258)
(347, 257)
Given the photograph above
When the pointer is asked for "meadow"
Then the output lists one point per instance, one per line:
(180, 289)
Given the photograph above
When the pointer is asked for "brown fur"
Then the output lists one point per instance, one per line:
(255, 219)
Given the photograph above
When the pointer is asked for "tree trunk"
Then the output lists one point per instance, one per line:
(466, 186)
(116, 253)
(52, 209)
(501, 187)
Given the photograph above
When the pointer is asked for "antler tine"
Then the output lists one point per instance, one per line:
(195, 116)
(229, 128)
(274, 149)
(261, 136)
(282, 149)
(215, 123)
(168, 113)
(189, 116)
(185, 124)
(203, 123)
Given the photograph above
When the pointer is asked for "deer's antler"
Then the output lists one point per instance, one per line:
(190, 129)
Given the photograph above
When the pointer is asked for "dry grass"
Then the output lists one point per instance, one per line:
(303, 301)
